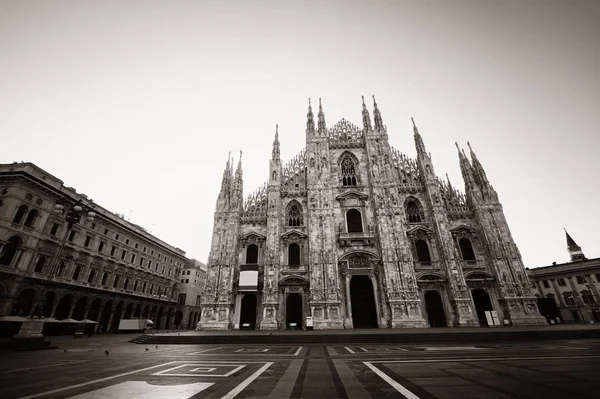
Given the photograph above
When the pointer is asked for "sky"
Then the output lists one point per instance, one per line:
(137, 103)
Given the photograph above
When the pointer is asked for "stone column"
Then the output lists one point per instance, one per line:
(54, 306)
(376, 295)
(71, 311)
(348, 322)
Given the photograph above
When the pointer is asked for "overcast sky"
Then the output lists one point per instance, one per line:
(137, 103)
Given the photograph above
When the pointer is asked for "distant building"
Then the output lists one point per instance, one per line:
(569, 291)
(191, 285)
(109, 268)
(354, 233)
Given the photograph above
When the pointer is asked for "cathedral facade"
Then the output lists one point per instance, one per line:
(352, 233)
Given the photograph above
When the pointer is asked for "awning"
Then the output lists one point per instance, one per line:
(248, 278)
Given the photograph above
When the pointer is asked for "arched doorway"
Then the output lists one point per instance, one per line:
(105, 316)
(79, 311)
(24, 305)
(94, 313)
(435, 309)
(128, 311)
(483, 303)
(293, 311)
(159, 316)
(117, 315)
(49, 303)
(146, 312)
(248, 312)
(64, 307)
(364, 310)
(178, 319)
(138, 311)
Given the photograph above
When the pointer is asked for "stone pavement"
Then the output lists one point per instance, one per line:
(549, 369)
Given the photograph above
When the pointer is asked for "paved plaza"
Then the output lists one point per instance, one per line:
(81, 369)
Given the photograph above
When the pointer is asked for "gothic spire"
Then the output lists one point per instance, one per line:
(467, 172)
(226, 182)
(479, 172)
(276, 153)
(366, 117)
(377, 116)
(310, 120)
(322, 128)
(574, 249)
(419, 140)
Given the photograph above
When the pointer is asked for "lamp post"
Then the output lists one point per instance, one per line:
(30, 335)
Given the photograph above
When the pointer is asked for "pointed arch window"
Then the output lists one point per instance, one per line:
(61, 268)
(466, 249)
(116, 282)
(294, 215)
(31, 216)
(104, 279)
(348, 171)
(21, 211)
(354, 221)
(91, 276)
(294, 254)
(414, 213)
(39, 265)
(422, 249)
(252, 254)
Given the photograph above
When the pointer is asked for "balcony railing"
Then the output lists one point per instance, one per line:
(359, 238)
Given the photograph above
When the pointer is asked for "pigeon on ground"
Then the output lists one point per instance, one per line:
(107, 352)
(146, 348)
(157, 346)
(64, 350)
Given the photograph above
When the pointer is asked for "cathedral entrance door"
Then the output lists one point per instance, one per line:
(293, 312)
(435, 309)
(248, 312)
(364, 311)
(482, 304)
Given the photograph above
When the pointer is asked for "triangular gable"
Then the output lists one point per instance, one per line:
(417, 229)
(462, 227)
(292, 233)
(351, 194)
(253, 235)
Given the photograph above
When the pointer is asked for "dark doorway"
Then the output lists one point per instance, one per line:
(294, 254)
(252, 254)
(293, 312)
(435, 309)
(354, 220)
(248, 312)
(364, 311)
(482, 304)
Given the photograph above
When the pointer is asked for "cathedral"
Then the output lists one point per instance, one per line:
(352, 233)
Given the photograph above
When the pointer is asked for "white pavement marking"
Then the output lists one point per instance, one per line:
(232, 394)
(165, 373)
(349, 350)
(204, 369)
(448, 348)
(398, 387)
(39, 367)
(255, 350)
(402, 349)
(332, 351)
(298, 351)
(353, 387)
(483, 359)
(363, 349)
(204, 351)
(83, 384)
(141, 389)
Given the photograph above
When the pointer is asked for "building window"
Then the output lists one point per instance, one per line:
(87, 241)
(72, 235)
(414, 212)
(117, 237)
(294, 255)
(132, 258)
(546, 284)
(135, 285)
(93, 226)
(9, 250)
(21, 211)
(466, 249)
(252, 254)
(112, 251)
(100, 247)
(116, 282)
(152, 252)
(54, 229)
(149, 264)
(127, 241)
(31, 216)
(348, 171)
(105, 232)
(126, 283)
(123, 254)
(144, 249)
(136, 245)
(422, 249)
(76, 273)
(39, 265)
(104, 279)
(144, 287)
(569, 299)
(141, 261)
(187, 280)
(354, 221)
(580, 279)
(61, 268)
(181, 299)
(294, 215)
(561, 282)
(91, 276)
(588, 297)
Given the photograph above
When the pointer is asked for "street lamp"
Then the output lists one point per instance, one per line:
(30, 335)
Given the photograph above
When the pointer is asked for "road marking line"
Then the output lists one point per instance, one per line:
(398, 387)
(286, 383)
(363, 349)
(233, 393)
(298, 351)
(349, 350)
(204, 351)
(83, 384)
(353, 387)
(39, 367)
(402, 349)
(142, 389)
(233, 371)
(482, 359)
(332, 351)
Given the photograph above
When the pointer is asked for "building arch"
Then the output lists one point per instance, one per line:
(294, 216)
(63, 309)
(349, 172)
(20, 214)
(414, 210)
(25, 302)
(40, 264)
(294, 254)
(422, 251)
(252, 254)
(354, 222)
(31, 217)
(77, 272)
(466, 249)
(10, 250)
